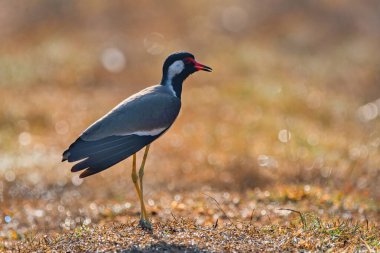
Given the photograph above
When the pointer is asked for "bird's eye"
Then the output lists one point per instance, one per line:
(188, 60)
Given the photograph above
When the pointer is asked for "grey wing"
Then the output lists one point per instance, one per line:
(147, 111)
(126, 129)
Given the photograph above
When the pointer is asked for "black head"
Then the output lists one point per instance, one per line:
(182, 64)
(177, 67)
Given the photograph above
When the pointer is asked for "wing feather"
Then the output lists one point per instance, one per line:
(151, 109)
(103, 158)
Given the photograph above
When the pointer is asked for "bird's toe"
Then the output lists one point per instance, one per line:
(146, 225)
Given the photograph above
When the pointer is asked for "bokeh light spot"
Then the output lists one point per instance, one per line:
(87, 221)
(24, 138)
(284, 135)
(266, 161)
(113, 60)
(368, 112)
(76, 180)
(10, 176)
(7, 218)
(154, 43)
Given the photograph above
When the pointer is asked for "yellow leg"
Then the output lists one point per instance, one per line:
(141, 175)
(135, 179)
(144, 221)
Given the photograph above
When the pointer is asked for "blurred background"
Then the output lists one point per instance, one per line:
(294, 100)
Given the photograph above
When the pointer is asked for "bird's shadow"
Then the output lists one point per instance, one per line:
(165, 247)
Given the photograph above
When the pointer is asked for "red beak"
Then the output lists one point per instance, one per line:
(200, 66)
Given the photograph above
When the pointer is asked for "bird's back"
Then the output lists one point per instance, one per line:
(150, 109)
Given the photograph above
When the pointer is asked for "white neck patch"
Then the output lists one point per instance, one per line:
(174, 69)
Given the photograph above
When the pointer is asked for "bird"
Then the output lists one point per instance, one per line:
(134, 124)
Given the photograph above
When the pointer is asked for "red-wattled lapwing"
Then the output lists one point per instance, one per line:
(133, 124)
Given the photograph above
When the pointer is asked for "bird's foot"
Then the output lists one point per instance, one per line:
(145, 224)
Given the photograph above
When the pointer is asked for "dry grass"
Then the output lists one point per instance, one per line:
(195, 222)
(185, 235)
(214, 221)
(227, 176)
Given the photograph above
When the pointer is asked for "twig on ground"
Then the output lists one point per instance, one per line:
(303, 220)
(250, 220)
(220, 208)
(366, 221)
(216, 223)
(173, 216)
(366, 245)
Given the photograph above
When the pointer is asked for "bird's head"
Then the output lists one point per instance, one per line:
(181, 65)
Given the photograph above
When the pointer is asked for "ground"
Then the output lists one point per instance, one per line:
(276, 150)
(212, 221)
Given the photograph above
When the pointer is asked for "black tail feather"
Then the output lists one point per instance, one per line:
(101, 154)
(81, 149)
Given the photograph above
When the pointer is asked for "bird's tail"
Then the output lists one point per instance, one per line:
(99, 155)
